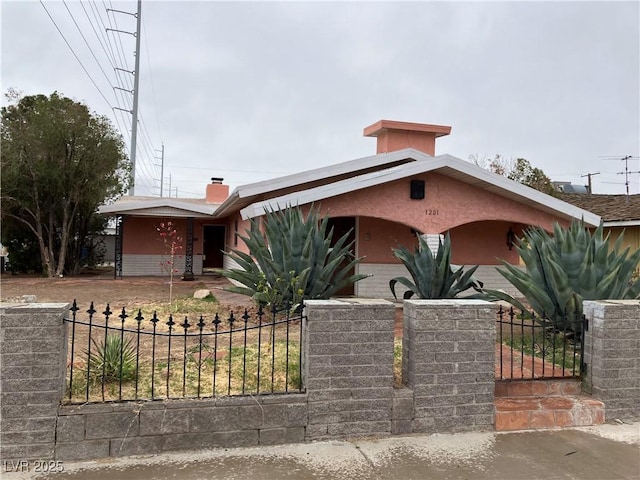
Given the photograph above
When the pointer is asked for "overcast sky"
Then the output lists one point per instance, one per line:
(250, 91)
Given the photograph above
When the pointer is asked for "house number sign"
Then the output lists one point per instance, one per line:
(432, 211)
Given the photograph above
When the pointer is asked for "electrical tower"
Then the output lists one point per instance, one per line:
(136, 87)
(161, 171)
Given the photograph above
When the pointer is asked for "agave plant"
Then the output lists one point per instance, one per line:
(433, 277)
(571, 266)
(113, 359)
(294, 259)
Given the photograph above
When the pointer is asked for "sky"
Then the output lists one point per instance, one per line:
(249, 91)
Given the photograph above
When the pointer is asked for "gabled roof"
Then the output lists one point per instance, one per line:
(246, 194)
(159, 207)
(615, 210)
(444, 164)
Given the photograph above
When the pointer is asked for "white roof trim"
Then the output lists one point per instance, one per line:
(288, 181)
(325, 172)
(621, 223)
(423, 163)
(133, 206)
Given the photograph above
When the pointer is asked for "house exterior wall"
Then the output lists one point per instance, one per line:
(448, 203)
(143, 250)
(377, 285)
(630, 240)
(151, 265)
(377, 237)
(484, 243)
(236, 226)
(141, 236)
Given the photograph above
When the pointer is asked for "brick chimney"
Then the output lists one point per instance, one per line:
(393, 135)
(217, 192)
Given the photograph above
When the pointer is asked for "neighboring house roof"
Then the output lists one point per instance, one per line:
(615, 210)
(160, 207)
(422, 163)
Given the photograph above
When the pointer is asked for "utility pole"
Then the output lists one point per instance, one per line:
(136, 85)
(135, 91)
(169, 184)
(589, 175)
(161, 171)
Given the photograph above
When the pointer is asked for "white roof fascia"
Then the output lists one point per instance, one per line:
(424, 163)
(621, 223)
(224, 206)
(521, 190)
(161, 202)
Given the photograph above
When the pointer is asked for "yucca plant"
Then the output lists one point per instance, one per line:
(293, 259)
(112, 359)
(568, 267)
(434, 277)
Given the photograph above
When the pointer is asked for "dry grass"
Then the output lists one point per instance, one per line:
(193, 375)
(193, 362)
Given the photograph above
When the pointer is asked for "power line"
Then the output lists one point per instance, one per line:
(87, 43)
(95, 32)
(226, 170)
(153, 91)
(113, 49)
(76, 56)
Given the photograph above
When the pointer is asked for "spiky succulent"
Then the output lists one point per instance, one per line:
(295, 258)
(433, 277)
(572, 265)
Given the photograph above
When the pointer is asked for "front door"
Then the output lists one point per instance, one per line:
(341, 225)
(213, 245)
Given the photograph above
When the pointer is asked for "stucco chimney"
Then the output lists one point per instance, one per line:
(393, 135)
(217, 192)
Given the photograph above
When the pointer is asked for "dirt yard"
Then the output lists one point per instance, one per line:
(130, 292)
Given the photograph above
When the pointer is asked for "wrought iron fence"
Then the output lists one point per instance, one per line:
(532, 347)
(119, 358)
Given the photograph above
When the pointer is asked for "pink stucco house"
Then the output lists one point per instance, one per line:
(386, 198)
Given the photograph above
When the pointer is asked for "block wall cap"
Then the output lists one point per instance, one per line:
(367, 301)
(34, 306)
(613, 302)
(453, 302)
(325, 302)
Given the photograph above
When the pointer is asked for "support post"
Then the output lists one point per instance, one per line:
(188, 257)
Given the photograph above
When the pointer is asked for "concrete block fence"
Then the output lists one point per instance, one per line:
(33, 357)
(448, 363)
(348, 355)
(612, 356)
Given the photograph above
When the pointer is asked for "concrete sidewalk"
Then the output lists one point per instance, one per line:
(589, 453)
